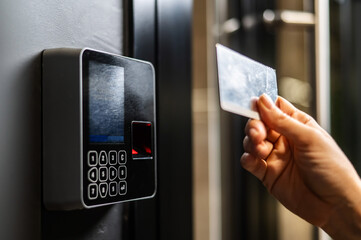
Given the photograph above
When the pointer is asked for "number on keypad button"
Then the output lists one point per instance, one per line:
(122, 187)
(103, 174)
(93, 174)
(122, 157)
(113, 190)
(103, 158)
(113, 157)
(122, 171)
(103, 189)
(112, 173)
(93, 191)
(92, 158)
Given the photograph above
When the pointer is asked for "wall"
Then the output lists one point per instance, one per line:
(26, 28)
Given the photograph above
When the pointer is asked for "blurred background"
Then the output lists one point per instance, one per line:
(314, 47)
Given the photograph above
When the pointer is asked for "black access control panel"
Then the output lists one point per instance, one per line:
(99, 129)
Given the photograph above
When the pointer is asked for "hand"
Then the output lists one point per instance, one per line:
(302, 166)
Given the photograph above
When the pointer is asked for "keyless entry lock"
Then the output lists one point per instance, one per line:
(99, 129)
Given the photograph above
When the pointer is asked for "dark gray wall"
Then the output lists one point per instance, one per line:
(26, 28)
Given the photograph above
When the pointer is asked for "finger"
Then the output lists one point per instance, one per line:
(277, 162)
(272, 136)
(261, 150)
(282, 121)
(247, 144)
(256, 130)
(254, 165)
(292, 111)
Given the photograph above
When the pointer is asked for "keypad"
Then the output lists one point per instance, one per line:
(107, 174)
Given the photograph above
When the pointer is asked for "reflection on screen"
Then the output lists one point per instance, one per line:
(106, 103)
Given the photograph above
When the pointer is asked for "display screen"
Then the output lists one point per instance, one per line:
(106, 103)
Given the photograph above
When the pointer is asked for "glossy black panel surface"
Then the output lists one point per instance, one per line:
(120, 176)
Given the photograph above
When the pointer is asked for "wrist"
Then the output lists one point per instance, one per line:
(344, 221)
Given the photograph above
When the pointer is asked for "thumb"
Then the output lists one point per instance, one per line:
(289, 121)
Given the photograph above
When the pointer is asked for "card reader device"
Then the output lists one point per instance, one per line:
(99, 129)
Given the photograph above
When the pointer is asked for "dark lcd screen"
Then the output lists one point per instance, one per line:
(106, 103)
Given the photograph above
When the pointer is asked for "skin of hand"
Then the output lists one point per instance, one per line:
(303, 167)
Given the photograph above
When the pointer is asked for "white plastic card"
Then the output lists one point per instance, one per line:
(242, 79)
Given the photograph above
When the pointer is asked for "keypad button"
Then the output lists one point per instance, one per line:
(93, 174)
(103, 174)
(92, 191)
(113, 157)
(103, 189)
(92, 158)
(112, 173)
(103, 159)
(122, 187)
(113, 189)
(122, 171)
(122, 157)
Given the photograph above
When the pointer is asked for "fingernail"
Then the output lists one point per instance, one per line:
(266, 101)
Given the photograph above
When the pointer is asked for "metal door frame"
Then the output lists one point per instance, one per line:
(159, 31)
